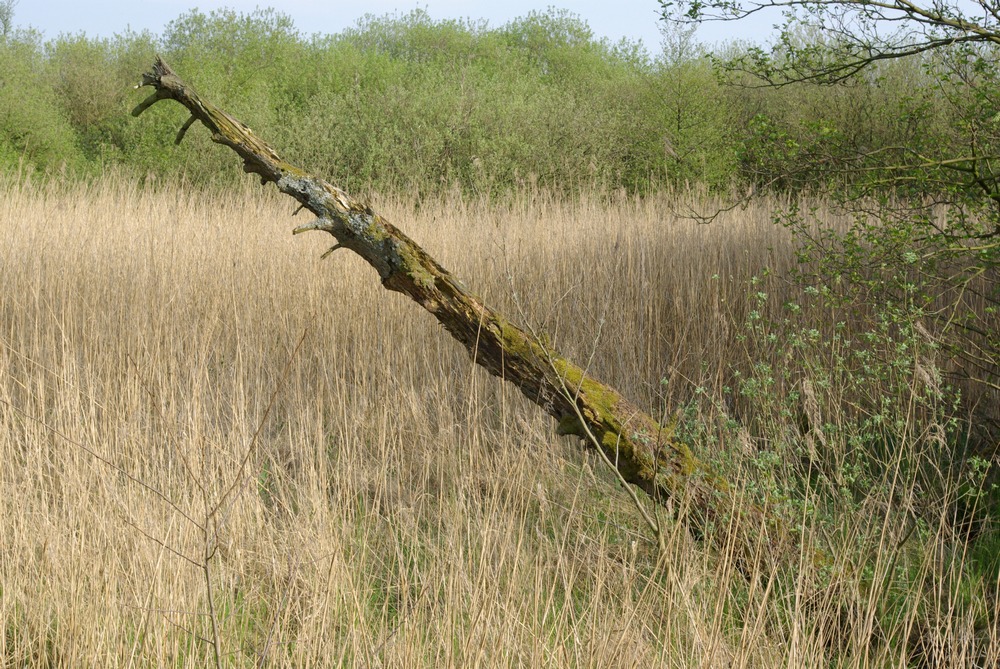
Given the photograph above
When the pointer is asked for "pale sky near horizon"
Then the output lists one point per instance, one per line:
(632, 19)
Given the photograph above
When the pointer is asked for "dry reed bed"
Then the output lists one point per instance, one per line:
(184, 384)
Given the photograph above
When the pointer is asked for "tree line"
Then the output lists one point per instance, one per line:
(407, 102)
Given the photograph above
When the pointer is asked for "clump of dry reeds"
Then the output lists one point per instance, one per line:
(216, 448)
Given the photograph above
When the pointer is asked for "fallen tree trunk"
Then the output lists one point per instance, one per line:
(643, 451)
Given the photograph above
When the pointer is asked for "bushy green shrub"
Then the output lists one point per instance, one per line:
(34, 128)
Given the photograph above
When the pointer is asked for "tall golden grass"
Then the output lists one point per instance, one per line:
(216, 448)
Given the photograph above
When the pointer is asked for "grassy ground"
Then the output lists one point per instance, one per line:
(210, 440)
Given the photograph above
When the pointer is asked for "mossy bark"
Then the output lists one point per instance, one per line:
(643, 451)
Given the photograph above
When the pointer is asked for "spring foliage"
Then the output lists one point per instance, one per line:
(407, 102)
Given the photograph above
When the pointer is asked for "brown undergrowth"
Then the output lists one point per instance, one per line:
(212, 441)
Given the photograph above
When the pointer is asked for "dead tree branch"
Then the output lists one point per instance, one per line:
(644, 452)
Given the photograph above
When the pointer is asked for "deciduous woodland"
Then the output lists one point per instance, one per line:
(415, 105)
(221, 445)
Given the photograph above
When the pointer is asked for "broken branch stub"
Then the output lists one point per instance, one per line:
(643, 451)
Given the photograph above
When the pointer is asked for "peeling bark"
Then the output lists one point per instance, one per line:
(643, 451)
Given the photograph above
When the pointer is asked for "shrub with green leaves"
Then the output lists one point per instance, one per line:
(34, 128)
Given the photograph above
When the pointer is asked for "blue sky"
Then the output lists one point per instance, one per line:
(634, 19)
